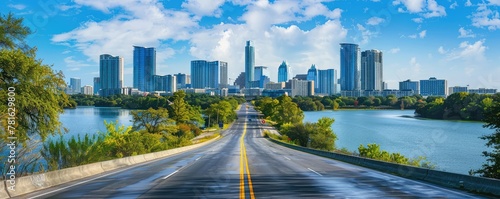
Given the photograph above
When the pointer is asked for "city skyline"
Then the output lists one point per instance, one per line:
(452, 40)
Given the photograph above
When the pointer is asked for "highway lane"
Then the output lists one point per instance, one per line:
(244, 164)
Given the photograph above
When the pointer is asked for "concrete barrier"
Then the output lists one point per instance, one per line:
(447, 179)
(28, 184)
(3, 190)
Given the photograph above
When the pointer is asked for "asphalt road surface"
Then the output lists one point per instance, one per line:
(243, 164)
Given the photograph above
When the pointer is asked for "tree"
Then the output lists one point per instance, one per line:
(287, 112)
(491, 168)
(154, 121)
(179, 108)
(13, 32)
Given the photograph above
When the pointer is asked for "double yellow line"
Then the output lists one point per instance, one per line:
(243, 165)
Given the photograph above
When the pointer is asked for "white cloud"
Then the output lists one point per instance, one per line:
(468, 3)
(435, 10)
(17, 6)
(414, 65)
(143, 24)
(465, 33)
(467, 51)
(485, 17)
(75, 65)
(422, 34)
(441, 50)
(413, 6)
(394, 50)
(418, 20)
(375, 21)
(494, 2)
(365, 36)
(454, 5)
(204, 8)
(425, 8)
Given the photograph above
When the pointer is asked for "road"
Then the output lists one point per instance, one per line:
(243, 164)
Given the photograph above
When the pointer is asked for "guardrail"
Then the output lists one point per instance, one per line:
(28, 184)
(447, 179)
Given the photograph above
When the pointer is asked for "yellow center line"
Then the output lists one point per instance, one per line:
(243, 158)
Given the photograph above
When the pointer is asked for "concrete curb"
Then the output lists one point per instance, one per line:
(3, 190)
(28, 184)
(447, 179)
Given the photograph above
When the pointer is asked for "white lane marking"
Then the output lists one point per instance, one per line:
(172, 173)
(286, 158)
(314, 171)
(197, 159)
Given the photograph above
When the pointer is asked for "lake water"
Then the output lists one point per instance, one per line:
(452, 145)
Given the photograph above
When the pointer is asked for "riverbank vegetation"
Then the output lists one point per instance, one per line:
(457, 106)
(287, 117)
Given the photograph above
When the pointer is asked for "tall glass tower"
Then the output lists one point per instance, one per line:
(110, 74)
(144, 68)
(283, 72)
(349, 67)
(206, 74)
(312, 75)
(249, 64)
(371, 70)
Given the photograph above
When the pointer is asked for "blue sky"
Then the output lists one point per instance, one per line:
(448, 39)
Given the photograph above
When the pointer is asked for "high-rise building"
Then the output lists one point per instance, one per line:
(312, 75)
(249, 64)
(300, 77)
(433, 87)
(327, 81)
(261, 76)
(483, 91)
(181, 80)
(165, 83)
(97, 85)
(372, 70)
(87, 90)
(349, 67)
(209, 74)
(75, 85)
(284, 73)
(301, 88)
(144, 68)
(111, 74)
(408, 85)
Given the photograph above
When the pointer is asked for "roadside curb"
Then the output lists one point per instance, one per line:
(28, 184)
(452, 180)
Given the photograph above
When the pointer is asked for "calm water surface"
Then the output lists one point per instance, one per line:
(453, 146)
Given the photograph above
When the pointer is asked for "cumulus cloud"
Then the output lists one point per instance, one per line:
(441, 50)
(204, 8)
(494, 2)
(425, 8)
(375, 21)
(468, 3)
(464, 33)
(486, 17)
(364, 34)
(469, 51)
(421, 35)
(454, 5)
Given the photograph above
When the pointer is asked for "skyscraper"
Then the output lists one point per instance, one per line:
(433, 87)
(312, 75)
(97, 85)
(75, 85)
(209, 74)
(349, 67)
(249, 64)
(144, 68)
(283, 72)
(371, 70)
(166, 83)
(327, 80)
(111, 74)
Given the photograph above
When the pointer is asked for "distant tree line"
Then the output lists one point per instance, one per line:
(457, 106)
